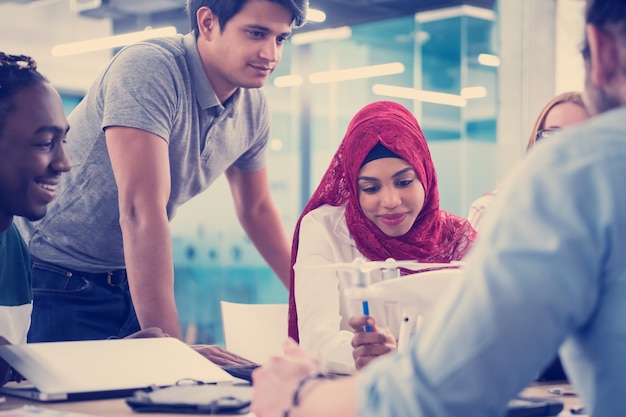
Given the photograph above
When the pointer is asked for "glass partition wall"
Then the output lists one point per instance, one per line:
(440, 64)
(457, 74)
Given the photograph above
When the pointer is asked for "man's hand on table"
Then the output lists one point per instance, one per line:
(214, 353)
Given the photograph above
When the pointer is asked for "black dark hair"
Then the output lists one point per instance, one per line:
(377, 152)
(16, 72)
(605, 13)
(225, 10)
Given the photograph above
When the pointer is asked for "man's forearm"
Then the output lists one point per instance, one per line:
(149, 264)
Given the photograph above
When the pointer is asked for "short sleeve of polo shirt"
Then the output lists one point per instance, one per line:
(140, 89)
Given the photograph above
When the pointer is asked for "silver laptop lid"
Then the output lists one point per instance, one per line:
(60, 368)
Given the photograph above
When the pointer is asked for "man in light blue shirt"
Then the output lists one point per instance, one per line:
(548, 271)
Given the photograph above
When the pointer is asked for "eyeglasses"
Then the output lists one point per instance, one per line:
(546, 133)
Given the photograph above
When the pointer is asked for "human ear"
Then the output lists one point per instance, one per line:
(603, 57)
(206, 21)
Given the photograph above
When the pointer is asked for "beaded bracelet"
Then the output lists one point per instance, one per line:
(295, 400)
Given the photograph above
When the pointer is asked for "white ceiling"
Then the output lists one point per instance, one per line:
(34, 28)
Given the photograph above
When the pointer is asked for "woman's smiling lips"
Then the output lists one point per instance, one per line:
(393, 219)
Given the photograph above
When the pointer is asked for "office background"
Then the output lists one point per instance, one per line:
(475, 73)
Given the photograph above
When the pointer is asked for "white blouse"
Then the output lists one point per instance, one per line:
(320, 294)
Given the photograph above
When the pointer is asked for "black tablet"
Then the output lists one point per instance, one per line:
(193, 398)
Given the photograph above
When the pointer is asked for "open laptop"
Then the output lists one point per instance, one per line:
(69, 371)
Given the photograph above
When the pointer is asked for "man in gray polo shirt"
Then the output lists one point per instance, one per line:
(165, 119)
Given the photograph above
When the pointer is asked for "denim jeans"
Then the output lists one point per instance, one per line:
(73, 305)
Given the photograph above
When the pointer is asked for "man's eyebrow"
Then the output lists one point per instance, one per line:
(56, 130)
(265, 29)
(258, 27)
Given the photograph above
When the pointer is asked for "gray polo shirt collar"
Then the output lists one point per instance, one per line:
(207, 99)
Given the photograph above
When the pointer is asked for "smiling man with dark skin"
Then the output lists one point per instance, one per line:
(32, 158)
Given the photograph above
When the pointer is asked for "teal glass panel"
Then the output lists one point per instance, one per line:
(333, 104)
(69, 101)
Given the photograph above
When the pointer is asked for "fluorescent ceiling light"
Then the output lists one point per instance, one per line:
(419, 95)
(42, 3)
(356, 73)
(288, 81)
(110, 41)
(314, 15)
(489, 60)
(335, 34)
(421, 37)
(455, 11)
(276, 145)
(474, 92)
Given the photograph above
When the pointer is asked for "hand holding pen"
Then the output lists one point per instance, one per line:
(368, 345)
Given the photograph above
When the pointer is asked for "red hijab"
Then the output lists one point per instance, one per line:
(436, 236)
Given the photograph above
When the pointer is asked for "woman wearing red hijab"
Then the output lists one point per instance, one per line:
(377, 200)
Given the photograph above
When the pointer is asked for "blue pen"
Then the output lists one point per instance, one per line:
(362, 282)
(366, 311)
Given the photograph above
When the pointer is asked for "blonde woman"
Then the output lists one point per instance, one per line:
(566, 109)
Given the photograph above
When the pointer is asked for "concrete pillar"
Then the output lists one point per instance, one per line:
(527, 76)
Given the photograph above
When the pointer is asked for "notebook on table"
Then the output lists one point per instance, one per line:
(66, 371)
